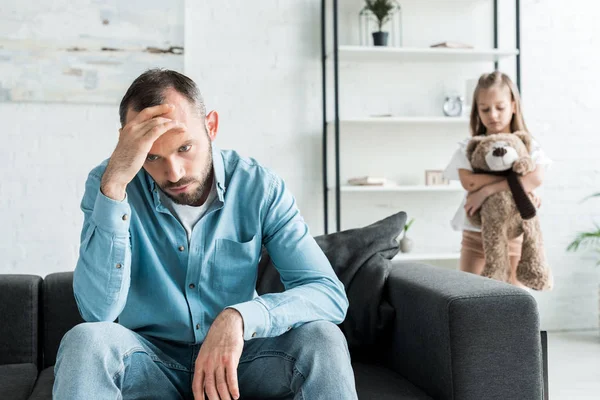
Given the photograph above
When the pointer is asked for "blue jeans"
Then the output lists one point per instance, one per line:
(104, 360)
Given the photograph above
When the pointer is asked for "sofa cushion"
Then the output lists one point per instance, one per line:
(19, 308)
(43, 387)
(60, 312)
(16, 380)
(374, 382)
(361, 258)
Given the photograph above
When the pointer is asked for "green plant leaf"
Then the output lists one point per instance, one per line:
(585, 239)
(407, 226)
(382, 10)
(591, 197)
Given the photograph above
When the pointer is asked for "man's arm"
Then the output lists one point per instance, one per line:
(313, 291)
(102, 275)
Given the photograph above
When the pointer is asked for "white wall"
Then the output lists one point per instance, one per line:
(261, 72)
(561, 84)
(263, 75)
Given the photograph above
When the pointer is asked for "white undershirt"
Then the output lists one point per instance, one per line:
(189, 216)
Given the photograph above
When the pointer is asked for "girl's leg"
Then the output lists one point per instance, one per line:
(471, 255)
(514, 251)
(514, 262)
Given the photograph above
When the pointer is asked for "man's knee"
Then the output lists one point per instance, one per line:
(89, 338)
(323, 337)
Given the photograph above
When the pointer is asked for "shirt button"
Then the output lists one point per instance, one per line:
(197, 326)
(118, 266)
(125, 217)
(181, 248)
(192, 286)
(254, 334)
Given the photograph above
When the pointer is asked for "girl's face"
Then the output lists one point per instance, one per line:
(496, 108)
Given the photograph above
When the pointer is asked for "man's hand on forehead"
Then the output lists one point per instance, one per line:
(135, 141)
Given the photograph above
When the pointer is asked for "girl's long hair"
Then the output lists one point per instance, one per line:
(500, 79)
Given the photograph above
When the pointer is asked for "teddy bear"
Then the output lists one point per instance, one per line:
(506, 215)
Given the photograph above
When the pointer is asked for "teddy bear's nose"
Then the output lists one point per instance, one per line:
(499, 152)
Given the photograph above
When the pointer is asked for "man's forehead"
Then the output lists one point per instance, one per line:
(170, 142)
(180, 113)
(183, 110)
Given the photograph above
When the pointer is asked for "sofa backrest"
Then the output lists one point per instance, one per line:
(60, 313)
(19, 319)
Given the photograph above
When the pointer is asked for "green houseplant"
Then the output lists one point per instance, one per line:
(589, 239)
(382, 11)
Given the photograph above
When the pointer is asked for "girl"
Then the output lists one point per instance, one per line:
(496, 109)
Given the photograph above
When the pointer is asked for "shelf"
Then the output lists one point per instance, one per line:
(426, 256)
(405, 120)
(402, 188)
(425, 54)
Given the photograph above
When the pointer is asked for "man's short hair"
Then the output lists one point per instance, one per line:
(148, 90)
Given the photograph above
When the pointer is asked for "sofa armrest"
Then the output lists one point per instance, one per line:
(60, 312)
(20, 296)
(461, 336)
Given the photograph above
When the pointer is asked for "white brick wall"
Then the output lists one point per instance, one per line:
(560, 43)
(263, 75)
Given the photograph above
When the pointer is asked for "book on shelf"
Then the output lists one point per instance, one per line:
(370, 181)
(452, 45)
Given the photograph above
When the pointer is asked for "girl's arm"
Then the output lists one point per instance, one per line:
(530, 182)
(473, 182)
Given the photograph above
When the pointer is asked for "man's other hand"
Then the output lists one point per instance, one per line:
(216, 365)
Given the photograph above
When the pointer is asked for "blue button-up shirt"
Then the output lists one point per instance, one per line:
(135, 262)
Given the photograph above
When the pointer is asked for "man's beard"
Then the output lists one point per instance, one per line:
(193, 198)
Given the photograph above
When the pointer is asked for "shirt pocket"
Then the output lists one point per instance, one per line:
(235, 265)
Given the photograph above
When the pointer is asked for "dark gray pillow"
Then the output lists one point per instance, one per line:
(361, 258)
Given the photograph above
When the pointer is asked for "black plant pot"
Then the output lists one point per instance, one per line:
(380, 38)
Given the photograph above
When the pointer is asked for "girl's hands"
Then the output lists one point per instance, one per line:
(475, 200)
(537, 201)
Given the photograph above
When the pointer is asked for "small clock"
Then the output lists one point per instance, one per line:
(453, 106)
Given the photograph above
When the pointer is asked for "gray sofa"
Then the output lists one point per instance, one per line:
(452, 336)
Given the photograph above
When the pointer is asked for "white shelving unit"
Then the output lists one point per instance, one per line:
(352, 56)
(428, 54)
(403, 188)
(404, 120)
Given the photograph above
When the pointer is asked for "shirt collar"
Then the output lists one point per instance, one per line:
(219, 170)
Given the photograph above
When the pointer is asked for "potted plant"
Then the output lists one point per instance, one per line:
(382, 11)
(406, 244)
(589, 240)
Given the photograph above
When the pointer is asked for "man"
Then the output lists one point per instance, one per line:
(172, 236)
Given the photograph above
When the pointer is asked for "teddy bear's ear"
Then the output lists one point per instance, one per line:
(525, 138)
(472, 145)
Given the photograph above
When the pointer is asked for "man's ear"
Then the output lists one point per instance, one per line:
(472, 145)
(525, 138)
(212, 125)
